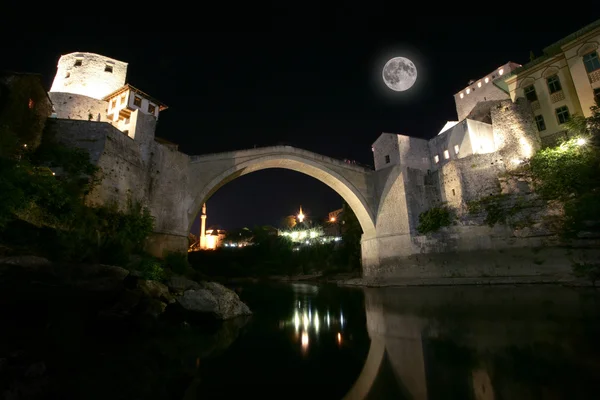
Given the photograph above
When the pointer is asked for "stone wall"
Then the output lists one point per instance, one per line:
(515, 132)
(122, 170)
(91, 78)
(386, 145)
(77, 106)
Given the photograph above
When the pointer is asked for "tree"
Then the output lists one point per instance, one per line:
(288, 222)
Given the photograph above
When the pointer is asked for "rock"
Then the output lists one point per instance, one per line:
(125, 305)
(36, 370)
(98, 277)
(179, 284)
(213, 298)
(155, 290)
(28, 262)
(154, 307)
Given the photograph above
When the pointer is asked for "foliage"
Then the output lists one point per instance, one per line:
(567, 170)
(45, 211)
(498, 209)
(589, 271)
(151, 269)
(434, 219)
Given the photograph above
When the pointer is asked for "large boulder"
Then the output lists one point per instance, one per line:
(155, 290)
(213, 298)
(26, 262)
(178, 284)
(97, 277)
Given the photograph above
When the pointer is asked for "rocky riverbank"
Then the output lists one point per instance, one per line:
(132, 294)
(66, 327)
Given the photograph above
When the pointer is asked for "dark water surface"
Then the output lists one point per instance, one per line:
(309, 341)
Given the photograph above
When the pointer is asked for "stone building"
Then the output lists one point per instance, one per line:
(564, 81)
(92, 87)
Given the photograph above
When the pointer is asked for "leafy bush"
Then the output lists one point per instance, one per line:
(151, 269)
(434, 219)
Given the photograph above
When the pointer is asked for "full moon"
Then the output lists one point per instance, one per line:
(399, 74)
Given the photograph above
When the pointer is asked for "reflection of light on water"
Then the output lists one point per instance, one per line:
(316, 322)
(328, 320)
(339, 338)
(341, 319)
(296, 320)
(304, 340)
(309, 316)
(306, 321)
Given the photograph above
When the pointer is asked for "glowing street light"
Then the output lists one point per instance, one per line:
(581, 141)
(300, 215)
(332, 219)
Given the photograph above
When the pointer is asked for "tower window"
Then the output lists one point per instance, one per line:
(591, 62)
(108, 68)
(530, 93)
(553, 84)
(456, 148)
(137, 101)
(436, 158)
(68, 75)
(387, 159)
(446, 154)
(453, 192)
(539, 121)
(562, 114)
(31, 103)
(78, 62)
(151, 108)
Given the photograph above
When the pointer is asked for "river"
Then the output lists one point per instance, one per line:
(308, 341)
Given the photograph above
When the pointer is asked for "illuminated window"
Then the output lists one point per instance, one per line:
(591, 62)
(123, 98)
(553, 84)
(68, 75)
(487, 80)
(151, 108)
(539, 121)
(436, 159)
(468, 91)
(446, 154)
(562, 114)
(478, 84)
(78, 62)
(462, 95)
(31, 103)
(387, 159)
(127, 120)
(456, 148)
(114, 103)
(137, 101)
(108, 68)
(530, 93)
(501, 71)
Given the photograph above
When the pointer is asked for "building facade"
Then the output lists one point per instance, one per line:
(93, 87)
(564, 81)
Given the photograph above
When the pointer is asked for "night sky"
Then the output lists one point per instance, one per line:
(319, 91)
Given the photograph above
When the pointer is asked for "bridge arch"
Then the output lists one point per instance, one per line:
(331, 172)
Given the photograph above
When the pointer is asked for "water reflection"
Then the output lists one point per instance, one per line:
(308, 320)
(481, 343)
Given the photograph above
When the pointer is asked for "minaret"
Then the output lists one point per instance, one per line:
(203, 227)
(300, 215)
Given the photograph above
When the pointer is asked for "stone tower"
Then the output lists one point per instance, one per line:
(203, 227)
(89, 74)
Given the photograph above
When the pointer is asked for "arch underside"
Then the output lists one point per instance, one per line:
(338, 183)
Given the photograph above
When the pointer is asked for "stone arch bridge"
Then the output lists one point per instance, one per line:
(204, 174)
